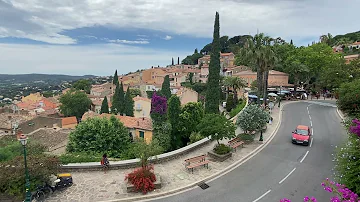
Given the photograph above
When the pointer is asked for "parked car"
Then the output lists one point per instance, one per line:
(301, 135)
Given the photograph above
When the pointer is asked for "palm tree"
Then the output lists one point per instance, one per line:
(326, 38)
(269, 63)
(254, 51)
(235, 83)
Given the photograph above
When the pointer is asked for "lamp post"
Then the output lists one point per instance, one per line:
(23, 141)
(280, 97)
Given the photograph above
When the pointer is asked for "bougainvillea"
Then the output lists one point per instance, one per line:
(341, 193)
(158, 108)
(356, 128)
(142, 178)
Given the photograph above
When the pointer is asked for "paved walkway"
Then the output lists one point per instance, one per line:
(96, 186)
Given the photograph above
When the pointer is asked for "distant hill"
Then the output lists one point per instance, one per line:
(30, 78)
(345, 38)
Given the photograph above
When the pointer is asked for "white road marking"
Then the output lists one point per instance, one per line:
(312, 139)
(287, 176)
(258, 199)
(307, 152)
(310, 122)
(312, 131)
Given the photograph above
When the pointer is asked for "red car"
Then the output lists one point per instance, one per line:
(301, 135)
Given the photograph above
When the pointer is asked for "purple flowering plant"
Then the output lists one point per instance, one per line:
(355, 129)
(158, 104)
(341, 193)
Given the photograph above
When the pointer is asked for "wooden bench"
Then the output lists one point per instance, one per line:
(234, 143)
(197, 161)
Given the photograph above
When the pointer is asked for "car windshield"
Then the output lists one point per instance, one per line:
(301, 132)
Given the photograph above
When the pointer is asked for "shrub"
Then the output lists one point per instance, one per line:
(246, 137)
(252, 118)
(230, 104)
(14, 148)
(80, 157)
(349, 97)
(142, 178)
(237, 109)
(195, 136)
(222, 149)
(100, 135)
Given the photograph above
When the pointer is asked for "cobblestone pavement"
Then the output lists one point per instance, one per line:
(94, 186)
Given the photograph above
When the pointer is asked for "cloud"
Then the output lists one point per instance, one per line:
(128, 42)
(45, 20)
(168, 37)
(100, 59)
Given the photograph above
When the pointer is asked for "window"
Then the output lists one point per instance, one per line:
(141, 134)
(302, 132)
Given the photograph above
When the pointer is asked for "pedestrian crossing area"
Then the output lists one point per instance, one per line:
(322, 103)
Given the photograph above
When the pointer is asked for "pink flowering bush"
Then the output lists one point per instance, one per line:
(355, 129)
(158, 108)
(341, 193)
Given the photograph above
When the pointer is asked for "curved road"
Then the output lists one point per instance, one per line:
(281, 169)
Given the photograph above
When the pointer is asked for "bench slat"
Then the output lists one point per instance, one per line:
(195, 158)
(197, 164)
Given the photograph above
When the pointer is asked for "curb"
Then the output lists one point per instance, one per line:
(215, 175)
(340, 114)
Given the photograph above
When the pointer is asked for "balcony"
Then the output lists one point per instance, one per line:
(138, 108)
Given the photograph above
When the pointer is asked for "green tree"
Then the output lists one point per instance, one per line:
(47, 94)
(213, 88)
(135, 92)
(74, 103)
(191, 78)
(104, 106)
(216, 126)
(116, 78)
(128, 104)
(165, 88)
(190, 116)
(349, 97)
(162, 133)
(178, 61)
(230, 104)
(172, 61)
(252, 118)
(100, 135)
(83, 84)
(236, 84)
(174, 110)
(118, 100)
(143, 151)
(253, 85)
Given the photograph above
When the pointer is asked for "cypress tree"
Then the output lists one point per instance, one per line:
(121, 99)
(174, 110)
(291, 42)
(196, 51)
(178, 60)
(165, 88)
(116, 78)
(115, 100)
(104, 106)
(213, 88)
(128, 104)
(172, 61)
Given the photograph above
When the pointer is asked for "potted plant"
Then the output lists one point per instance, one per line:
(143, 179)
(218, 127)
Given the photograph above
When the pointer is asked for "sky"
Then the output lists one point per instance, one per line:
(82, 37)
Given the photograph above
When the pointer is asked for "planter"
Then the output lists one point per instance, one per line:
(218, 157)
(157, 183)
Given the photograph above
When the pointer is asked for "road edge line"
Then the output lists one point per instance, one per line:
(215, 175)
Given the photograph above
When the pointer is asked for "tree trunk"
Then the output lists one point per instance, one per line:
(259, 82)
(236, 99)
(266, 76)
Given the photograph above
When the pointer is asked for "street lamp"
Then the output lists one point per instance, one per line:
(23, 141)
(280, 97)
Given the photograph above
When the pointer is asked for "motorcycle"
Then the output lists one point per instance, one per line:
(62, 181)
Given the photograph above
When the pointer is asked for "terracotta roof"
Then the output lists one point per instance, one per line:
(68, 121)
(132, 122)
(137, 98)
(226, 54)
(356, 43)
(352, 56)
(89, 114)
(249, 72)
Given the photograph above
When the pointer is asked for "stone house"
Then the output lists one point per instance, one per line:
(276, 78)
(187, 95)
(142, 107)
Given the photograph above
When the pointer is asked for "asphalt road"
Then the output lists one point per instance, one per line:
(281, 170)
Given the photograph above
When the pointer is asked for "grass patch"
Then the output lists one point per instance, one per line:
(237, 109)
(79, 157)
